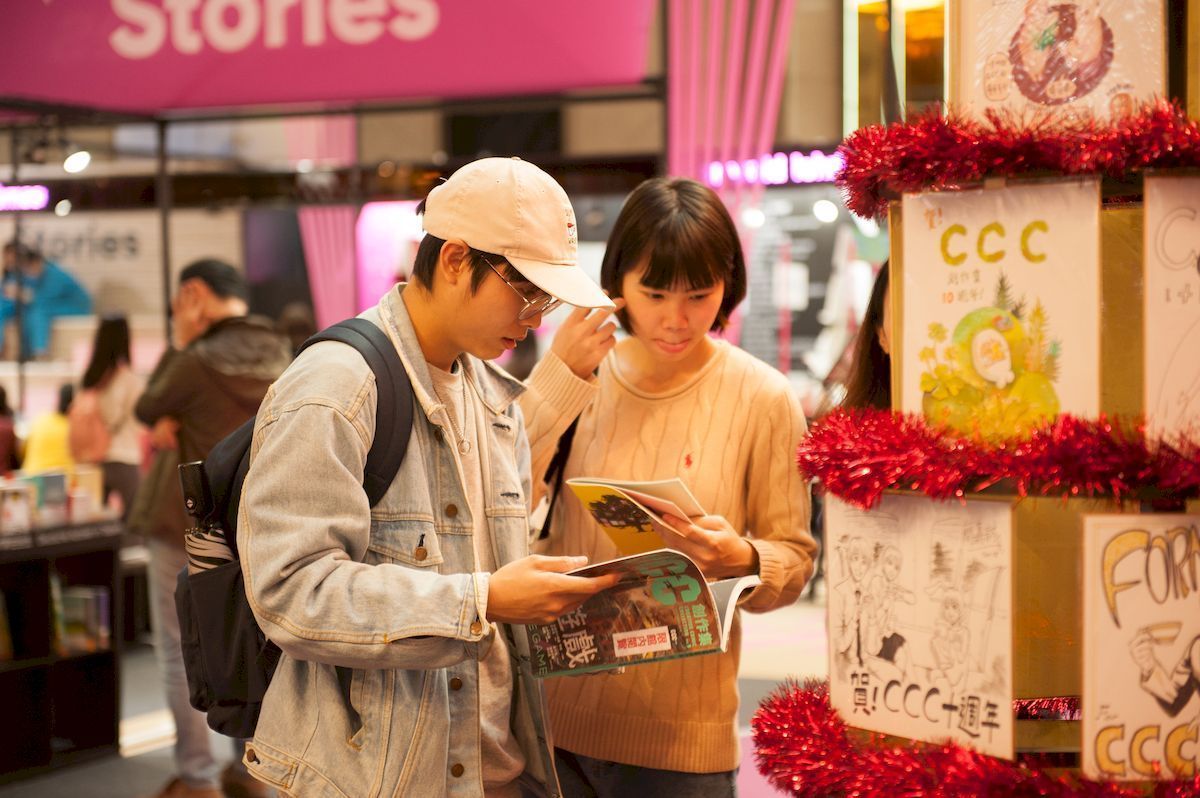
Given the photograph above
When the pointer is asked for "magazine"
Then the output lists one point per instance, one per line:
(662, 608)
(629, 511)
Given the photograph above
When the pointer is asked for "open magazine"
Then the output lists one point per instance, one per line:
(662, 608)
(628, 511)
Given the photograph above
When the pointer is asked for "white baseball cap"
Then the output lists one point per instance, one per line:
(509, 207)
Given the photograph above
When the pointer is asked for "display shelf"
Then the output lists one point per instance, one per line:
(65, 705)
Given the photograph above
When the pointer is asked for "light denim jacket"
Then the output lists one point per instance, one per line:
(389, 591)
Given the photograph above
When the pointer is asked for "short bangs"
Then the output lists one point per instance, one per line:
(689, 236)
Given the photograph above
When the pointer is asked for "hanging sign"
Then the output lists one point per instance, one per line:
(152, 55)
(1141, 646)
(1000, 305)
(920, 619)
(1172, 297)
(1073, 60)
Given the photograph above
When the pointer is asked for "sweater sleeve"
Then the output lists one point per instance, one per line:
(554, 397)
(778, 507)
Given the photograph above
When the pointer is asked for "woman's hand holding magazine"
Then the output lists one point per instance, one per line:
(713, 544)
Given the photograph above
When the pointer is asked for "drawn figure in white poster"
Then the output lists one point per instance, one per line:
(1172, 690)
(950, 643)
(851, 611)
(889, 657)
(1061, 51)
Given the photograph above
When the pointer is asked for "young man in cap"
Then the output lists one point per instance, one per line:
(400, 624)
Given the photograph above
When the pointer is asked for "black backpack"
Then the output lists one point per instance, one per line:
(228, 659)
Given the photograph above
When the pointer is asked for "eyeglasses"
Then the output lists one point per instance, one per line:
(540, 303)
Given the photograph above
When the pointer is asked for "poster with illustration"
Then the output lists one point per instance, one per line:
(1141, 646)
(1075, 60)
(920, 619)
(1000, 306)
(1172, 296)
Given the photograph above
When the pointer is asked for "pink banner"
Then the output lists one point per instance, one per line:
(150, 55)
(328, 235)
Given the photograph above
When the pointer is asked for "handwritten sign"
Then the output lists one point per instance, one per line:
(920, 620)
(1000, 301)
(1141, 640)
(1073, 60)
(1172, 302)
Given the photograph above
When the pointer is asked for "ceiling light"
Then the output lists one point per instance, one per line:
(825, 211)
(753, 217)
(77, 160)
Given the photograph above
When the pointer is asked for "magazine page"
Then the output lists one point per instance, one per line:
(629, 511)
(661, 608)
(726, 594)
(666, 492)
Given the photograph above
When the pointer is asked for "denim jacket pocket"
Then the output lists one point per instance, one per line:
(410, 541)
(268, 765)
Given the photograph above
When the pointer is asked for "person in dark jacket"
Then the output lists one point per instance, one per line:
(204, 387)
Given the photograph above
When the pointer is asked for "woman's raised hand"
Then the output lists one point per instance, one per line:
(585, 337)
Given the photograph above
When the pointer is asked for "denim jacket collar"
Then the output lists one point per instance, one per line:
(497, 388)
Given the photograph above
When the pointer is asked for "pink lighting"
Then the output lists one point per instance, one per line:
(23, 198)
(775, 170)
(388, 234)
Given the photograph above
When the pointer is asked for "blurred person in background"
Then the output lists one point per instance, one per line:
(869, 384)
(117, 390)
(40, 291)
(46, 446)
(10, 457)
(864, 380)
(204, 387)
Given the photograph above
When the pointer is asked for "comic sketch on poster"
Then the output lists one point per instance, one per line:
(920, 620)
(1000, 315)
(1076, 60)
(1141, 641)
(1172, 296)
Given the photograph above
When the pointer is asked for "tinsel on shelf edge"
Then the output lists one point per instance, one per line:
(858, 454)
(936, 151)
(803, 747)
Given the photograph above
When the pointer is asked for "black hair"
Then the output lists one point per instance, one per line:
(5, 410)
(430, 249)
(690, 238)
(110, 348)
(66, 395)
(224, 280)
(870, 381)
(23, 252)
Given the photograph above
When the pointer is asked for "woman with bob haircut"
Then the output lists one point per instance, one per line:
(668, 401)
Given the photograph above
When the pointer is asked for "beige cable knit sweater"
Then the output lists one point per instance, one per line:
(731, 434)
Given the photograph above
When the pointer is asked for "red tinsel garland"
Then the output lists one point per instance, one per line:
(804, 748)
(858, 454)
(1064, 708)
(935, 152)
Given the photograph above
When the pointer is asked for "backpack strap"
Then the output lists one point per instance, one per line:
(554, 474)
(393, 427)
(394, 411)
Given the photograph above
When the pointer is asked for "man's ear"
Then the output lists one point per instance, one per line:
(454, 262)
